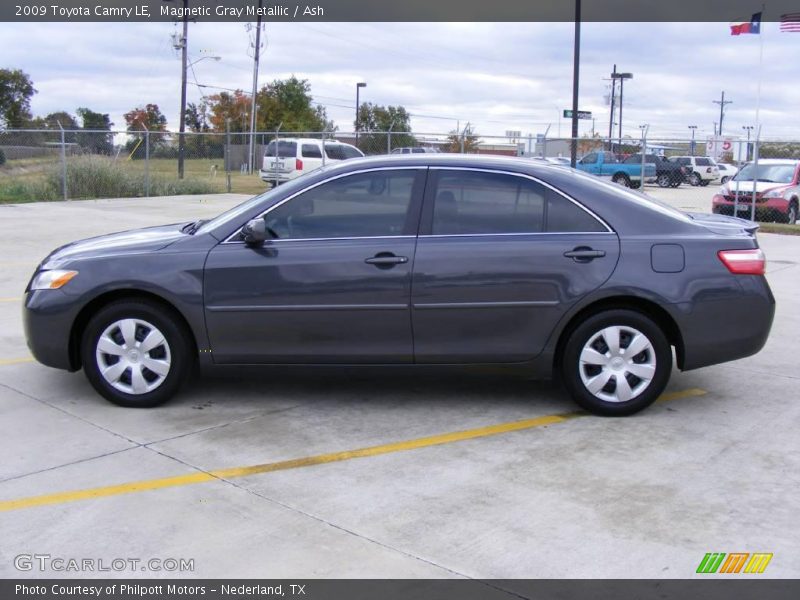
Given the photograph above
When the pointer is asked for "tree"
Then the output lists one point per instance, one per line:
(94, 141)
(54, 122)
(201, 145)
(468, 137)
(150, 116)
(229, 108)
(376, 118)
(289, 102)
(16, 91)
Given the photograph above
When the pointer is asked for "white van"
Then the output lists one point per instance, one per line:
(288, 158)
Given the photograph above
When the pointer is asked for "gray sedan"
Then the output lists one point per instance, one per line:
(423, 261)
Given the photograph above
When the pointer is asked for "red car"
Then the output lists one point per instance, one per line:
(777, 187)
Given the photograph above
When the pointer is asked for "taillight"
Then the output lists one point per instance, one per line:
(298, 164)
(744, 262)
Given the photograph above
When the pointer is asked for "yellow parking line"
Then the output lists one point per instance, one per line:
(15, 361)
(319, 459)
(19, 299)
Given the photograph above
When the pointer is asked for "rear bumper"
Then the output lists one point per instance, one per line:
(47, 318)
(726, 329)
(268, 176)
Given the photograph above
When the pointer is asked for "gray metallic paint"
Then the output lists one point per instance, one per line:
(473, 299)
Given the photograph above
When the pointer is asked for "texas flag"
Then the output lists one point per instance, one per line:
(752, 26)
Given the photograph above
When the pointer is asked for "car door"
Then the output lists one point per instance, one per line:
(332, 287)
(500, 258)
(589, 163)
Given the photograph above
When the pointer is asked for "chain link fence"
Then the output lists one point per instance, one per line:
(692, 175)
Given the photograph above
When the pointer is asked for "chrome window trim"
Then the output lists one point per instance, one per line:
(228, 240)
(536, 180)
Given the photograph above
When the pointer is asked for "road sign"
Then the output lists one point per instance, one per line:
(582, 114)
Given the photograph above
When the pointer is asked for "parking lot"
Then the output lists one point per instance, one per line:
(358, 475)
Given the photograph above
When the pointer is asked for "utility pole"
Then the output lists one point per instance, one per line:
(576, 65)
(747, 128)
(722, 102)
(251, 154)
(611, 116)
(184, 57)
(692, 147)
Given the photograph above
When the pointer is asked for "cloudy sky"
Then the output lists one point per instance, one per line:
(498, 76)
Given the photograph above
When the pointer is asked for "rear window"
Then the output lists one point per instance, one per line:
(284, 149)
(703, 162)
(351, 152)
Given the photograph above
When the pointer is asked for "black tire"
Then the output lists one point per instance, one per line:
(621, 179)
(635, 185)
(705, 182)
(724, 180)
(573, 372)
(177, 349)
(791, 216)
(664, 180)
(694, 179)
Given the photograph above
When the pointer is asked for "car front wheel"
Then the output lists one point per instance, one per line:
(136, 353)
(663, 180)
(694, 179)
(616, 363)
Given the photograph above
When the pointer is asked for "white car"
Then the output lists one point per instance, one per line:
(289, 158)
(701, 170)
(726, 172)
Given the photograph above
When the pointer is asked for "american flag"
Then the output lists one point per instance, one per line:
(790, 22)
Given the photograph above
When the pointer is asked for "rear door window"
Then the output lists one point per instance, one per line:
(283, 149)
(311, 151)
(334, 151)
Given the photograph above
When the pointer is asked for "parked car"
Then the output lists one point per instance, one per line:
(668, 174)
(422, 260)
(726, 171)
(606, 164)
(288, 158)
(701, 170)
(415, 150)
(777, 187)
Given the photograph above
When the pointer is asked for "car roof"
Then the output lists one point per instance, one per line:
(778, 161)
(301, 140)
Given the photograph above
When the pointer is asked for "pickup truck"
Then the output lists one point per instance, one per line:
(605, 164)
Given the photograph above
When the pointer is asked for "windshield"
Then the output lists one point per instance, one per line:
(241, 209)
(781, 173)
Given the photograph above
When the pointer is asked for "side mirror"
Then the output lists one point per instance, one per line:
(255, 232)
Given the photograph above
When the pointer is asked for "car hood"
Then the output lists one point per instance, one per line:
(747, 186)
(133, 241)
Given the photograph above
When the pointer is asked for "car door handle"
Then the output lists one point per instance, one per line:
(386, 260)
(584, 254)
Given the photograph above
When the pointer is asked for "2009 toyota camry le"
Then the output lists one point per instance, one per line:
(421, 260)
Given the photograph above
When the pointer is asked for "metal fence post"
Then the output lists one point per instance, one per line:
(736, 193)
(63, 161)
(755, 174)
(146, 161)
(228, 154)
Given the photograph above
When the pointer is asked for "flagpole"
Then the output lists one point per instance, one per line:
(758, 108)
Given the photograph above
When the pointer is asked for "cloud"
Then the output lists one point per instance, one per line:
(498, 76)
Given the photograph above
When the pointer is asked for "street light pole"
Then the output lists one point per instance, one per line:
(611, 115)
(251, 154)
(359, 85)
(748, 128)
(575, 79)
(693, 128)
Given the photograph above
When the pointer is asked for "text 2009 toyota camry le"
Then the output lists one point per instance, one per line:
(417, 260)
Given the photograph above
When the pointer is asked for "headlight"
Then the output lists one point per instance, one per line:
(776, 193)
(52, 280)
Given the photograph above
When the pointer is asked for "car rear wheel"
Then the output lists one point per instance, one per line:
(705, 182)
(694, 179)
(724, 180)
(136, 353)
(616, 363)
(663, 180)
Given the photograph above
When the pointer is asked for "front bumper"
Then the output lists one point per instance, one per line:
(765, 208)
(47, 318)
